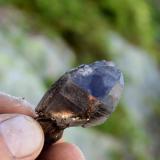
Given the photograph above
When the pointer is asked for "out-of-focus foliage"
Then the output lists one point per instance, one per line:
(44, 35)
(75, 19)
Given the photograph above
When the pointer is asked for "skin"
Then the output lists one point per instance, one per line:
(22, 138)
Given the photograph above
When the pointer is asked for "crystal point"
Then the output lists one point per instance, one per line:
(84, 96)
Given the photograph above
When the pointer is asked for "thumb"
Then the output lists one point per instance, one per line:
(21, 137)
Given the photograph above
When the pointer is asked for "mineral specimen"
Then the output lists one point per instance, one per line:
(84, 96)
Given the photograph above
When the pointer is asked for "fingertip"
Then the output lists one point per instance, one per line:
(22, 136)
(63, 150)
(70, 151)
(11, 104)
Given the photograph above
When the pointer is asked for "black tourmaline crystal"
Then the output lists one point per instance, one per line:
(84, 96)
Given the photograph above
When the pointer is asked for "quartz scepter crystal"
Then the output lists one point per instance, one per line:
(84, 96)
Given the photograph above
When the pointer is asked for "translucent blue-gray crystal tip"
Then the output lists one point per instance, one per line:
(101, 79)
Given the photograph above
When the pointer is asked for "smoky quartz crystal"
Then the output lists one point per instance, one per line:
(84, 96)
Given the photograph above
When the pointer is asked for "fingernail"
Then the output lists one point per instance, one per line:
(22, 135)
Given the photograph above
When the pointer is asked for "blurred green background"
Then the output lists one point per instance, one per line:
(41, 39)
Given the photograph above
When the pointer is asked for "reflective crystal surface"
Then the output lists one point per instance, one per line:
(102, 80)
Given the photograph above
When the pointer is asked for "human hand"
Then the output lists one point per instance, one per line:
(21, 137)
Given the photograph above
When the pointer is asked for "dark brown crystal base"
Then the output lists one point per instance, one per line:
(51, 131)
